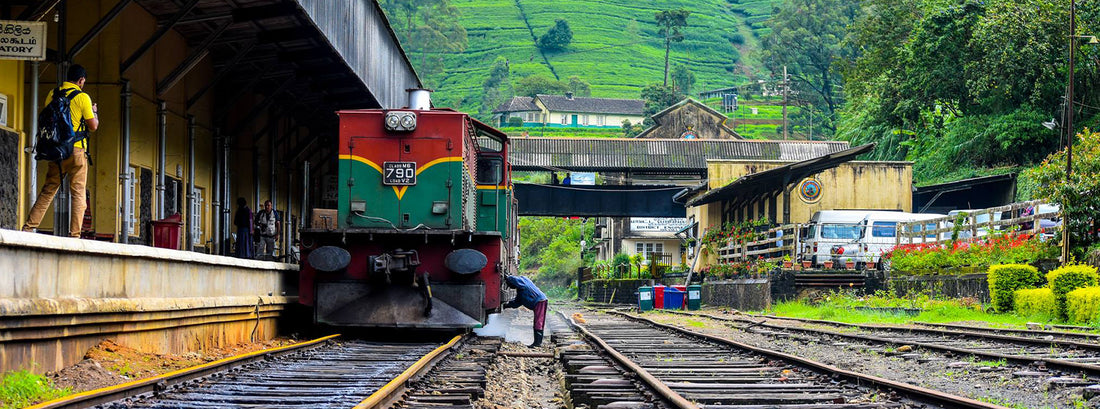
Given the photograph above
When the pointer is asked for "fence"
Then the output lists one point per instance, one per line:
(977, 224)
(772, 244)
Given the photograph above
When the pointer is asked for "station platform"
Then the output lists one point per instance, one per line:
(61, 296)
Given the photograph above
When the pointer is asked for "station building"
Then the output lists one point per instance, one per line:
(200, 102)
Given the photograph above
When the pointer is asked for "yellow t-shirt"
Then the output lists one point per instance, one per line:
(79, 109)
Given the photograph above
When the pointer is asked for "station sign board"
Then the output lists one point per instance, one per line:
(22, 40)
(658, 224)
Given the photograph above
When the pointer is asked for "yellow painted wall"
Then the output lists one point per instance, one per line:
(11, 85)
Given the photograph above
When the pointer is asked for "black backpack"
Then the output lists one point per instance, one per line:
(56, 135)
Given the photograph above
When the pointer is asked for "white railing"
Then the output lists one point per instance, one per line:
(772, 244)
(1000, 218)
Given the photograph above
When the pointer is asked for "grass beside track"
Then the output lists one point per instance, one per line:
(843, 308)
(22, 388)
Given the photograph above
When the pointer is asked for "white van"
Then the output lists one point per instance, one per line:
(975, 217)
(828, 228)
(877, 234)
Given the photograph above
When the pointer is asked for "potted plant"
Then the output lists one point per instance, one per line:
(828, 264)
(850, 264)
(787, 263)
(807, 264)
(869, 262)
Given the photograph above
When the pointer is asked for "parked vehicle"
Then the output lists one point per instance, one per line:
(828, 228)
(877, 234)
(976, 217)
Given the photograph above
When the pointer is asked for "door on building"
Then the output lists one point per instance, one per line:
(574, 120)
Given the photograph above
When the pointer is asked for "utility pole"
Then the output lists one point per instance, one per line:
(1069, 124)
(784, 85)
(811, 122)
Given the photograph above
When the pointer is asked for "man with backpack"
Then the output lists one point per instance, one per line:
(63, 141)
(268, 227)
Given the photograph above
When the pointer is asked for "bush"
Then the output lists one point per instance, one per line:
(1083, 304)
(1005, 279)
(515, 121)
(1068, 278)
(1036, 301)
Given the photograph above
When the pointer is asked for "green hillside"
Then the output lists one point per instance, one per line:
(615, 45)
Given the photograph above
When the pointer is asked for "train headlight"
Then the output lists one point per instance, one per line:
(402, 121)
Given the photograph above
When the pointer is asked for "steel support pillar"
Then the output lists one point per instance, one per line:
(216, 194)
(32, 112)
(189, 211)
(124, 164)
(162, 136)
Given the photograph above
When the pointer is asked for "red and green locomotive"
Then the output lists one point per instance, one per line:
(425, 227)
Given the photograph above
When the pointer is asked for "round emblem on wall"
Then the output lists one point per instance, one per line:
(809, 190)
(688, 134)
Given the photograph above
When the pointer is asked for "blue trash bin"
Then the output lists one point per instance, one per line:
(674, 299)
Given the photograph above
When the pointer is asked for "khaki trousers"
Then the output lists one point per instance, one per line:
(76, 167)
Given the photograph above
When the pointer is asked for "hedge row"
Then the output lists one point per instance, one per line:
(1071, 292)
(1083, 305)
(1035, 301)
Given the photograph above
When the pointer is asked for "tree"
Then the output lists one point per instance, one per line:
(671, 22)
(1080, 204)
(540, 84)
(497, 87)
(630, 130)
(807, 38)
(557, 38)
(682, 80)
(658, 97)
(579, 87)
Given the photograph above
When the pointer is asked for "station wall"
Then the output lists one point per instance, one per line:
(102, 58)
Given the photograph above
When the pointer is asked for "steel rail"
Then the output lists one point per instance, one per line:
(999, 337)
(659, 387)
(1020, 359)
(915, 392)
(161, 382)
(1082, 335)
(393, 389)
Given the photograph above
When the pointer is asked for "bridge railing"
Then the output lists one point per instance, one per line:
(979, 223)
(771, 245)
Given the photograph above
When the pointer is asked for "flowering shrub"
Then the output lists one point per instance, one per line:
(714, 239)
(738, 269)
(997, 248)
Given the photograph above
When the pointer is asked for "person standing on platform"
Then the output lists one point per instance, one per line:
(243, 221)
(529, 295)
(268, 227)
(84, 117)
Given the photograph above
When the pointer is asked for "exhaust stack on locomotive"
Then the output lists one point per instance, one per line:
(425, 222)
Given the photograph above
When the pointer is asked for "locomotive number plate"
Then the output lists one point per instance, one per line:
(398, 173)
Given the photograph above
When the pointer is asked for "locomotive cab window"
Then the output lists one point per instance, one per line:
(490, 170)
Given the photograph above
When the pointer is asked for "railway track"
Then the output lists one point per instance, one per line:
(693, 370)
(326, 372)
(1072, 356)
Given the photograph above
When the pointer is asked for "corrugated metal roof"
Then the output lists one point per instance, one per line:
(517, 104)
(675, 155)
(562, 103)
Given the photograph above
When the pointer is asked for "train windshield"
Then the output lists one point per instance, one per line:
(490, 170)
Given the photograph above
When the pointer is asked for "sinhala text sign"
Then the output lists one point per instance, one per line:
(657, 224)
(22, 40)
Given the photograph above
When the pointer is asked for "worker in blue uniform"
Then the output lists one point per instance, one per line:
(529, 295)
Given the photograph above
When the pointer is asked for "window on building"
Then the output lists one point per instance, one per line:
(585, 119)
(196, 217)
(564, 119)
(601, 120)
(647, 248)
(131, 203)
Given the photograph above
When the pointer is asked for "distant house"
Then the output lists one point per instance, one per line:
(569, 111)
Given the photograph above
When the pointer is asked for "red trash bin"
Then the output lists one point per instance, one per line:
(166, 232)
(659, 296)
